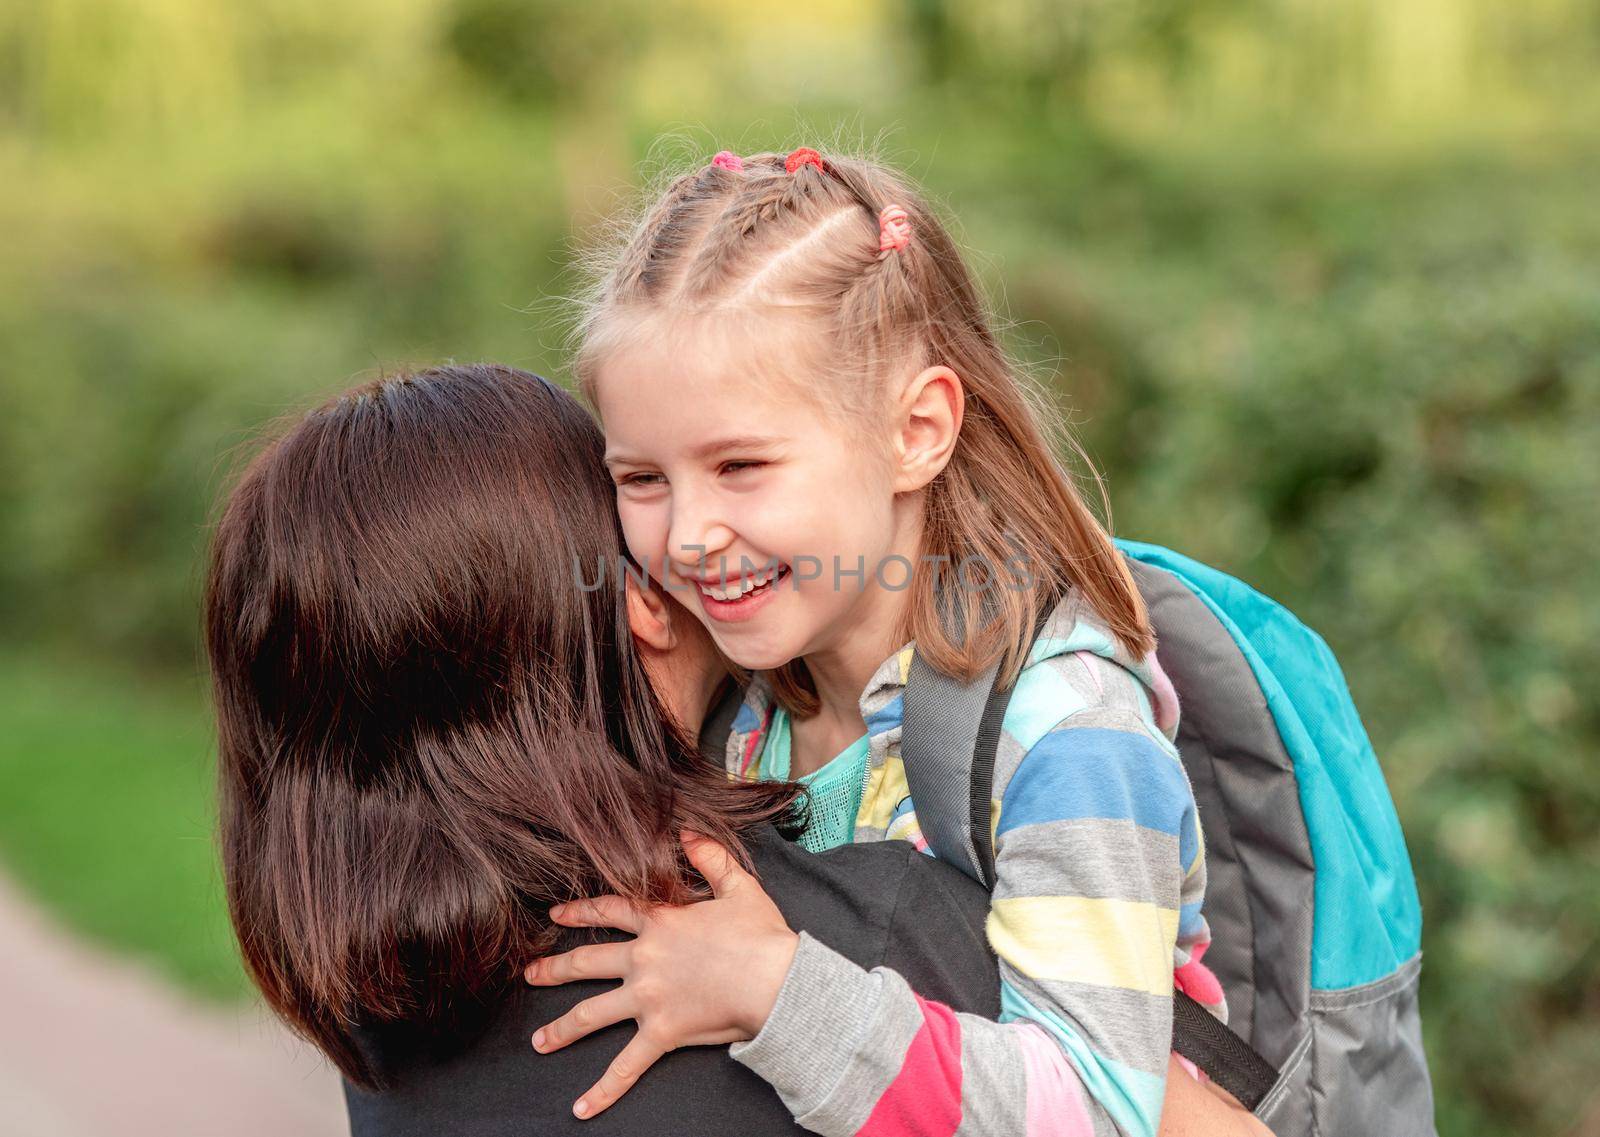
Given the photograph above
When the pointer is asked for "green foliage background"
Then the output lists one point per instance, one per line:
(1318, 282)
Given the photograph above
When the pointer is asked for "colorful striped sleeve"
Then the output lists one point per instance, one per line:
(1097, 848)
(857, 1052)
(1095, 839)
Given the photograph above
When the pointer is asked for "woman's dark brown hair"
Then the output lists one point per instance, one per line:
(429, 732)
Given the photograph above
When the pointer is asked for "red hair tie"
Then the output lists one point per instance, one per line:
(728, 160)
(894, 228)
(804, 156)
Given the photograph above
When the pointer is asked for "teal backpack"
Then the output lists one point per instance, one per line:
(1316, 925)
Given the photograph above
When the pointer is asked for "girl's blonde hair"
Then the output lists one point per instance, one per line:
(761, 243)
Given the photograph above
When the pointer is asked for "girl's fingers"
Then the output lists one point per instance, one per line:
(602, 1010)
(598, 912)
(601, 961)
(637, 1057)
(712, 861)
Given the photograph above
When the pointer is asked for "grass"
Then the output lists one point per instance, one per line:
(106, 812)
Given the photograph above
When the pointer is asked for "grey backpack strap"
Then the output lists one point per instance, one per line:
(949, 734)
(945, 746)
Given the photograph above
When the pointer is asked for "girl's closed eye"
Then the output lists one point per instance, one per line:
(641, 480)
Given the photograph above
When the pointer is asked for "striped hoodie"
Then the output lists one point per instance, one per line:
(1100, 872)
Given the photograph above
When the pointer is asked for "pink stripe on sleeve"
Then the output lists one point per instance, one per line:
(1055, 1102)
(924, 1100)
(754, 742)
(1198, 981)
(1166, 698)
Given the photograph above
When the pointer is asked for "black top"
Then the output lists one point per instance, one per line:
(878, 903)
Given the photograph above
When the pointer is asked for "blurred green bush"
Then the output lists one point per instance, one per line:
(1319, 284)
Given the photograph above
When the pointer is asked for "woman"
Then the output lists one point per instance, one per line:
(437, 718)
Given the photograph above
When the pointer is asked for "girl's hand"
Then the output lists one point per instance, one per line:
(697, 975)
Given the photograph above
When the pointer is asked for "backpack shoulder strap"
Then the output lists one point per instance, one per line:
(948, 737)
(1212, 1045)
(949, 734)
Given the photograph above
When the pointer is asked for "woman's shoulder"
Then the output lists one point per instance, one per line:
(864, 879)
(885, 903)
(850, 887)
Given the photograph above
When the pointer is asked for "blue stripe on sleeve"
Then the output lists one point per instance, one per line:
(1189, 919)
(886, 716)
(1094, 772)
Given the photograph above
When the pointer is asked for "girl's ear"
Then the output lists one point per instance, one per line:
(649, 613)
(930, 421)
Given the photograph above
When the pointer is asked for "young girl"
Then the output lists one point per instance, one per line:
(820, 447)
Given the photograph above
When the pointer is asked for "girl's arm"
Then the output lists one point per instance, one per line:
(858, 1052)
(849, 1050)
(1098, 867)
(1193, 1109)
(1098, 870)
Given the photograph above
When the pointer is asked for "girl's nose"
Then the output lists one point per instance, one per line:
(696, 543)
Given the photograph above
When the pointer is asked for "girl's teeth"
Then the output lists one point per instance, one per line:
(737, 591)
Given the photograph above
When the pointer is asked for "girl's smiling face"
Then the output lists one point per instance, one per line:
(741, 495)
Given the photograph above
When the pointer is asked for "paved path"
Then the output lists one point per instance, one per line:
(92, 1045)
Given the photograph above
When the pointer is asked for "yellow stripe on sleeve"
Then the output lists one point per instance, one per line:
(1074, 939)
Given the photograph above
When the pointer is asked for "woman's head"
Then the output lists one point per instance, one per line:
(760, 303)
(432, 722)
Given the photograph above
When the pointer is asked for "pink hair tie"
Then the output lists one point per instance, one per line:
(894, 228)
(805, 156)
(728, 160)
